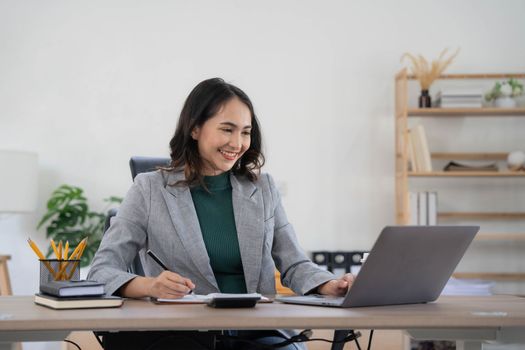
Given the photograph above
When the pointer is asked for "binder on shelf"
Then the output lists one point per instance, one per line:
(321, 258)
(355, 261)
(338, 263)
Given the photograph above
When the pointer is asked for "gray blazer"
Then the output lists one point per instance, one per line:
(162, 218)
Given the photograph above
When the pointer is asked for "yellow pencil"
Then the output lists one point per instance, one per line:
(66, 250)
(83, 245)
(60, 250)
(74, 256)
(54, 246)
(35, 249)
(82, 249)
(41, 256)
(77, 249)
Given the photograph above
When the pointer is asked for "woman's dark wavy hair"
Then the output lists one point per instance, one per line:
(204, 101)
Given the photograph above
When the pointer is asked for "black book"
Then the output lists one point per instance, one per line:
(77, 302)
(72, 288)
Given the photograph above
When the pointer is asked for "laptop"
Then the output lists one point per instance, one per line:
(407, 265)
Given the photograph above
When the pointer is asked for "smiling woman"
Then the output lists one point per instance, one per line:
(212, 217)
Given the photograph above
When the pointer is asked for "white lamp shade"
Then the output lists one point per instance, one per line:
(18, 181)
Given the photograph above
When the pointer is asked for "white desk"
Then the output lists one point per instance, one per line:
(471, 320)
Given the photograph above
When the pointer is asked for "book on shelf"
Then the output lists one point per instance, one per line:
(472, 166)
(72, 288)
(459, 104)
(410, 151)
(459, 98)
(461, 91)
(420, 149)
(62, 303)
(413, 208)
(431, 208)
(423, 208)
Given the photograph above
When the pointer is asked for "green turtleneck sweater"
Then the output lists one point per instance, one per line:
(217, 223)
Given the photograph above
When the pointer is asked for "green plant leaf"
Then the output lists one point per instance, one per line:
(68, 218)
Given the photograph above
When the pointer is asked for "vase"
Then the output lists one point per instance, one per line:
(505, 102)
(424, 99)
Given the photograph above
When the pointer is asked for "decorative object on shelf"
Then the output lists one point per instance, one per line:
(69, 218)
(426, 73)
(424, 101)
(470, 166)
(503, 93)
(516, 160)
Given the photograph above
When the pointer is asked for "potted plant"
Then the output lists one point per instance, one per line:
(69, 218)
(503, 93)
(426, 73)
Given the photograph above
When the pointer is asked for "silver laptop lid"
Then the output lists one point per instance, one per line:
(409, 264)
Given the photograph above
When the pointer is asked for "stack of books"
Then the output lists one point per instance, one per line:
(75, 295)
(459, 98)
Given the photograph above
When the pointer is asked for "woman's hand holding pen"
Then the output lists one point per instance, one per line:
(337, 287)
(170, 285)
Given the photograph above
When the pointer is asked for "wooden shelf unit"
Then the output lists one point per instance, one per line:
(503, 236)
(403, 174)
(467, 174)
(466, 112)
(481, 215)
(469, 155)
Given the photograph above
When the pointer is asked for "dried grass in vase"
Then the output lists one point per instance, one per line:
(426, 73)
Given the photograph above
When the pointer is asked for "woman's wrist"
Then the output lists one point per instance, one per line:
(138, 287)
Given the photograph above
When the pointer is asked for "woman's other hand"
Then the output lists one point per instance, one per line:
(337, 287)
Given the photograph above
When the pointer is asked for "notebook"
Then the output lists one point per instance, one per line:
(77, 302)
(72, 288)
(407, 265)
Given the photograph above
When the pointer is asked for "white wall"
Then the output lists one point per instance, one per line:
(87, 84)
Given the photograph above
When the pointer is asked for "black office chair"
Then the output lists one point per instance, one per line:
(138, 165)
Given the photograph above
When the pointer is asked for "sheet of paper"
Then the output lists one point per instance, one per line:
(190, 298)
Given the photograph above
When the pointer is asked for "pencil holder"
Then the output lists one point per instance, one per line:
(59, 270)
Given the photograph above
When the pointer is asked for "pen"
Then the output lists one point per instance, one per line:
(157, 260)
(160, 263)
